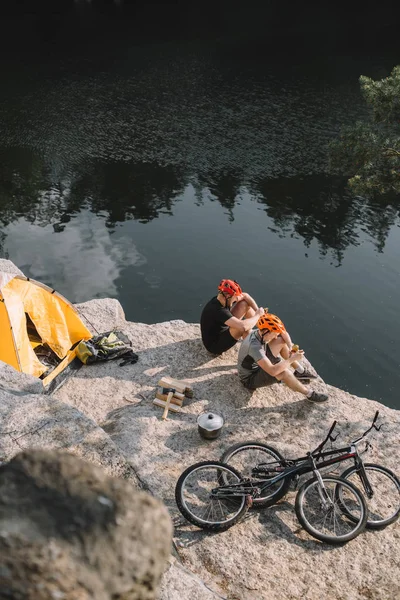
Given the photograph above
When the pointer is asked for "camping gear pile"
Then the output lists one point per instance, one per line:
(107, 346)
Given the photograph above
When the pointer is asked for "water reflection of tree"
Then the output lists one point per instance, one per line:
(314, 208)
(139, 191)
(21, 184)
(378, 219)
(122, 191)
(224, 186)
(28, 190)
(321, 209)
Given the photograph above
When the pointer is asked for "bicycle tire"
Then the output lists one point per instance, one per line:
(386, 498)
(234, 457)
(308, 504)
(187, 502)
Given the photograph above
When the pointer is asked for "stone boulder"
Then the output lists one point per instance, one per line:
(68, 531)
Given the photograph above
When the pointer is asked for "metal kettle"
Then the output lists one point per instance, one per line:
(209, 425)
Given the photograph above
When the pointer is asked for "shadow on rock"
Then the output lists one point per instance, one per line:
(184, 359)
(276, 527)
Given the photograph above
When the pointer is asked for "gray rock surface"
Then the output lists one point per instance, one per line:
(38, 421)
(17, 383)
(8, 267)
(267, 556)
(179, 582)
(68, 531)
(100, 317)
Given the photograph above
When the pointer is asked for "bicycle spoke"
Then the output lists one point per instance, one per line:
(245, 457)
(325, 518)
(202, 503)
(384, 504)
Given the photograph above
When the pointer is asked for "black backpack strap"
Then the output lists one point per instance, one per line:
(130, 358)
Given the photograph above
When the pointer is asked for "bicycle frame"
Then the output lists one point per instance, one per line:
(312, 462)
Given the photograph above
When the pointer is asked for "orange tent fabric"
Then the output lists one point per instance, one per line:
(55, 319)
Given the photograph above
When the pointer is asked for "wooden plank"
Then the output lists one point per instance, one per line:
(172, 407)
(181, 386)
(174, 382)
(174, 400)
(169, 382)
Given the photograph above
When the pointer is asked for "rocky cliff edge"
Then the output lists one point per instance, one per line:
(105, 414)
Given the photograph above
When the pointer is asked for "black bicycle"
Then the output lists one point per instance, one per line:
(381, 486)
(214, 495)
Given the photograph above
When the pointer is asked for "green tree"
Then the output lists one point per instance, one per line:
(369, 151)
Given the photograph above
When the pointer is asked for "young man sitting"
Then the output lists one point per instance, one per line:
(228, 317)
(264, 358)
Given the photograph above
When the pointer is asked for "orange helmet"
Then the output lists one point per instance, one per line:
(271, 322)
(230, 287)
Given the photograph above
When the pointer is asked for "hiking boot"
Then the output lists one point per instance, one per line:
(317, 397)
(305, 375)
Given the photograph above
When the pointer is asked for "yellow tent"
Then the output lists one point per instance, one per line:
(57, 324)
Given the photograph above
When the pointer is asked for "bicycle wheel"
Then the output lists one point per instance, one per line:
(195, 495)
(247, 455)
(384, 506)
(323, 516)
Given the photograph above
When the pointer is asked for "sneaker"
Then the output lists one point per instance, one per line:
(305, 375)
(317, 397)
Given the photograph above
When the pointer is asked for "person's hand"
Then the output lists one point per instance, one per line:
(297, 355)
(260, 312)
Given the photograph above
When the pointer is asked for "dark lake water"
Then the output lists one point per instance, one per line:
(149, 170)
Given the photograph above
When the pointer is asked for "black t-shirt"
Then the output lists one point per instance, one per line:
(212, 322)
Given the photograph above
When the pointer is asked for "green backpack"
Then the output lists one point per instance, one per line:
(107, 346)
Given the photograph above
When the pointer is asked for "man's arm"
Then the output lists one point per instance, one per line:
(274, 370)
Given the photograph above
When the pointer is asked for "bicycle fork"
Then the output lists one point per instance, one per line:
(362, 474)
(326, 500)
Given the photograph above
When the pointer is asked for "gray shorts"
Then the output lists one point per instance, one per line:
(259, 379)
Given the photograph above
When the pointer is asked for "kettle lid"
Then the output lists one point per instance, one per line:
(210, 421)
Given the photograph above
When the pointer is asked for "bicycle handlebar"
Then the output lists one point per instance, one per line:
(328, 437)
(332, 428)
(332, 439)
(373, 426)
